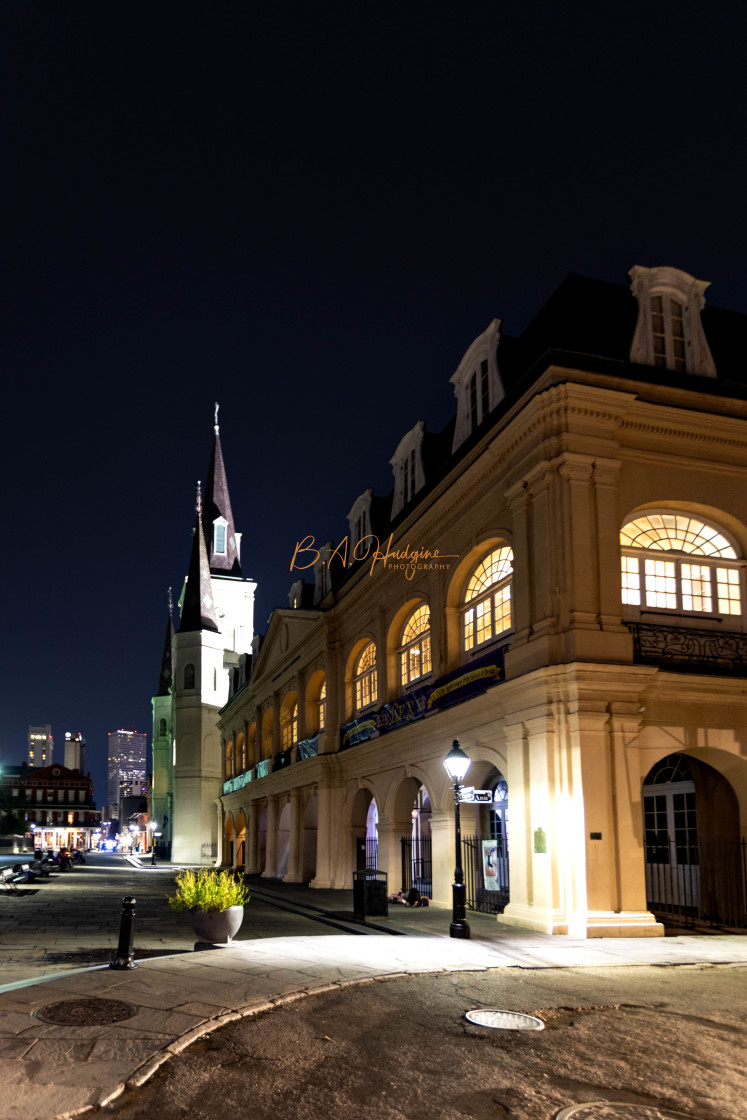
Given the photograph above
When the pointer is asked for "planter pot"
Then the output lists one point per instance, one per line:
(216, 927)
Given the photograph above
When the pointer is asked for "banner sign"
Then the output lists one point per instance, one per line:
(405, 709)
(467, 681)
(263, 768)
(308, 748)
(490, 865)
(235, 783)
(357, 731)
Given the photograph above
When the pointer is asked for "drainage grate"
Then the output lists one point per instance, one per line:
(505, 1020)
(608, 1110)
(86, 1012)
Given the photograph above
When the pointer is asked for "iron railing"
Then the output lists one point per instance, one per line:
(703, 884)
(485, 864)
(685, 649)
(366, 853)
(417, 864)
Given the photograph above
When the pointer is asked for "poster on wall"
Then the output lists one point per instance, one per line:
(490, 865)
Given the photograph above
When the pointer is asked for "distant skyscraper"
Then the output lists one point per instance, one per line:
(41, 745)
(75, 751)
(126, 775)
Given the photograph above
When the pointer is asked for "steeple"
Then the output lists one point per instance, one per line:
(166, 675)
(198, 607)
(222, 541)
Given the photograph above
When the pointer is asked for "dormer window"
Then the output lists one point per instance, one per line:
(359, 522)
(219, 536)
(669, 332)
(477, 383)
(407, 465)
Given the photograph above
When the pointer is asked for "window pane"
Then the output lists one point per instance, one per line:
(696, 587)
(661, 584)
(729, 597)
(502, 605)
(484, 631)
(631, 580)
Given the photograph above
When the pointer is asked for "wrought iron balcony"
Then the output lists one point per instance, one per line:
(688, 650)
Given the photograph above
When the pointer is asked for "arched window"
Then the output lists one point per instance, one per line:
(289, 726)
(229, 760)
(162, 729)
(487, 600)
(415, 649)
(365, 678)
(675, 562)
(189, 676)
(322, 706)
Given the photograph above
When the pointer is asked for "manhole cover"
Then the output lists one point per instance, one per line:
(85, 1012)
(608, 1110)
(505, 1020)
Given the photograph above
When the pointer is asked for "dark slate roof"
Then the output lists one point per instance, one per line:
(165, 677)
(217, 503)
(198, 608)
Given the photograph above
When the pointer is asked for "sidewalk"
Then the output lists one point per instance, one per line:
(51, 1070)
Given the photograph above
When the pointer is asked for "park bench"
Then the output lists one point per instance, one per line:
(8, 879)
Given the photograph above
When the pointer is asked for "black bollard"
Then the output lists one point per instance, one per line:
(124, 957)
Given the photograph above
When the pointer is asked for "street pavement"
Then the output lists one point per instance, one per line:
(49, 1070)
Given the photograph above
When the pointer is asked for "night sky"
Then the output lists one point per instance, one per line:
(307, 212)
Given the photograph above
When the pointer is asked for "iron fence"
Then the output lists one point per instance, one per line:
(485, 864)
(703, 884)
(366, 853)
(417, 864)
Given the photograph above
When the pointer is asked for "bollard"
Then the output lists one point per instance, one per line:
(124, 957)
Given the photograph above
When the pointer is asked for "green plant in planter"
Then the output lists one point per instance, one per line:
(207, 890)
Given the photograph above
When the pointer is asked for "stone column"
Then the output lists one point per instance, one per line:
(251, 849)
(271, 851)
(295, 869)
(323, 876)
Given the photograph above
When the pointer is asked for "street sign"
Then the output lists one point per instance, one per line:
(471, 795)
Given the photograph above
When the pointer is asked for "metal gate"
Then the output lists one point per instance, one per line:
(701, 884)
(366, 853)
(417, 866)
(485, 864)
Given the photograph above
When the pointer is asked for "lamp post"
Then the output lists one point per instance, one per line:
(457, 764)
(152, 825)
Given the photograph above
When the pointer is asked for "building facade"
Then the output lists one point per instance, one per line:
(126, 767)
(75, 751)
(40, 745)
(57, 804)
(557, 580)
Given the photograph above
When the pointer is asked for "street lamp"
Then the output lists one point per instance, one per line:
(457, 764)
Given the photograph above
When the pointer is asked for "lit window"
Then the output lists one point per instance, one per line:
(366, 681)
(322, 704)
(699, 573)
(487, 601)
(415, 651)
(289, 727)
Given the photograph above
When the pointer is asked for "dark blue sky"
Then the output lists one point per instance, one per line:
(306, 212)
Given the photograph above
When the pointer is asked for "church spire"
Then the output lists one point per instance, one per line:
(166, 675)
(222, 541)
(198, 607)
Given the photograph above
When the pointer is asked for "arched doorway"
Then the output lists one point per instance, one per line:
(240, 841)
(694, 858)
(364, 820)
(485, 842)
(228, 846)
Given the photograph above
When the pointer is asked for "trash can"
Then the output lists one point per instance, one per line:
(370, 897)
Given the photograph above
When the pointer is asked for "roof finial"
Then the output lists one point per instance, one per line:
(171, 603)
(198, 502)
(217, 406)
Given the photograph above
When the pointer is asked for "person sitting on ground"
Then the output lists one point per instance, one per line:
(413, 897)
